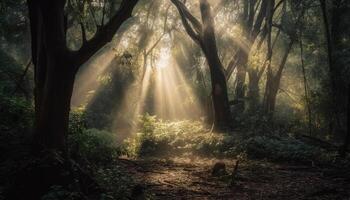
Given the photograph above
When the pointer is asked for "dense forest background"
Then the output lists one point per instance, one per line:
(96, 96)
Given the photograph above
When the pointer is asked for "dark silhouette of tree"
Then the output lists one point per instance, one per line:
(335, 17)
(55, 66)
(203, 33)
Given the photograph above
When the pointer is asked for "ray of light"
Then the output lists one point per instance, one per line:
(87, 82)
(173, 96)
(134, 102)
(145, 84)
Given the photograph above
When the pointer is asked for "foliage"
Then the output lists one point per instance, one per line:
(10, 72)
(158, 138)
(13, 25)
(77, 122)
(280, 149)
(16, 114)
(95, 146)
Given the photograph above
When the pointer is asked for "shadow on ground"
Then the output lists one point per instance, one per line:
(186, 178)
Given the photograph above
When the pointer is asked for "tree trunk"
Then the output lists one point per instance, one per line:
(253, 90)
(203, 33)
(241, 78)
(252, 23)
(53, 115)
(54, 76)
(55, 67)
(219, 92)
(346, 144)
(335, 14)
(218, 79)
(271, 95)
(330, 35)
(273, 83)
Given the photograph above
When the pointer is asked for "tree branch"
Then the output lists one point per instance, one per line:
(231, 66)
(188, 18)
(195, 22)
(83, 32)
(105, 34)
(103, 13)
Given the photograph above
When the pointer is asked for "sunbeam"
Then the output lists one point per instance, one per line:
(173, 96)
(87, 82)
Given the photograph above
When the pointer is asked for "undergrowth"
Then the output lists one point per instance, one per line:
(160, 138)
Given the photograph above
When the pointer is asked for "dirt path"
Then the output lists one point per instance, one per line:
(191, 179)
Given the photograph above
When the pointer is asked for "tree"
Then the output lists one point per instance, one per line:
(203, 33)
(290, 21)
(335, 17)
(252, 18)
(55, 66)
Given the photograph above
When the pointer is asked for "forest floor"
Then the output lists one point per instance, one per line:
(191, 178)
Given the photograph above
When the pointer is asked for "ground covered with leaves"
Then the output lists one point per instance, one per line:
(191, 178)
(176, 161)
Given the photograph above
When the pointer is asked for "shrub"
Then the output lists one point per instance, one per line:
(77, 121)
(16, 114)
(95, 146)
(280, 149)
(156, 138)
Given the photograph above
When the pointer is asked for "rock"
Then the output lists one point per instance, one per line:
(219, 169)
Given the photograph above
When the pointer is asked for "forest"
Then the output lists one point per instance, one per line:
(174, 99)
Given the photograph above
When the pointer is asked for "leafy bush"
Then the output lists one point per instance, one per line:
(77, 121)
(156, 137)
(16, 114)
(95, 146)
(279, 149)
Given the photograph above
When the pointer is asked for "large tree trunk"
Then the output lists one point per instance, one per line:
(203, 33)
(345, 146)
(334, 15)
(334, 121)
(218, 79)
(56, 66)
(54, 75)
(53, 115)
(219, 91)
